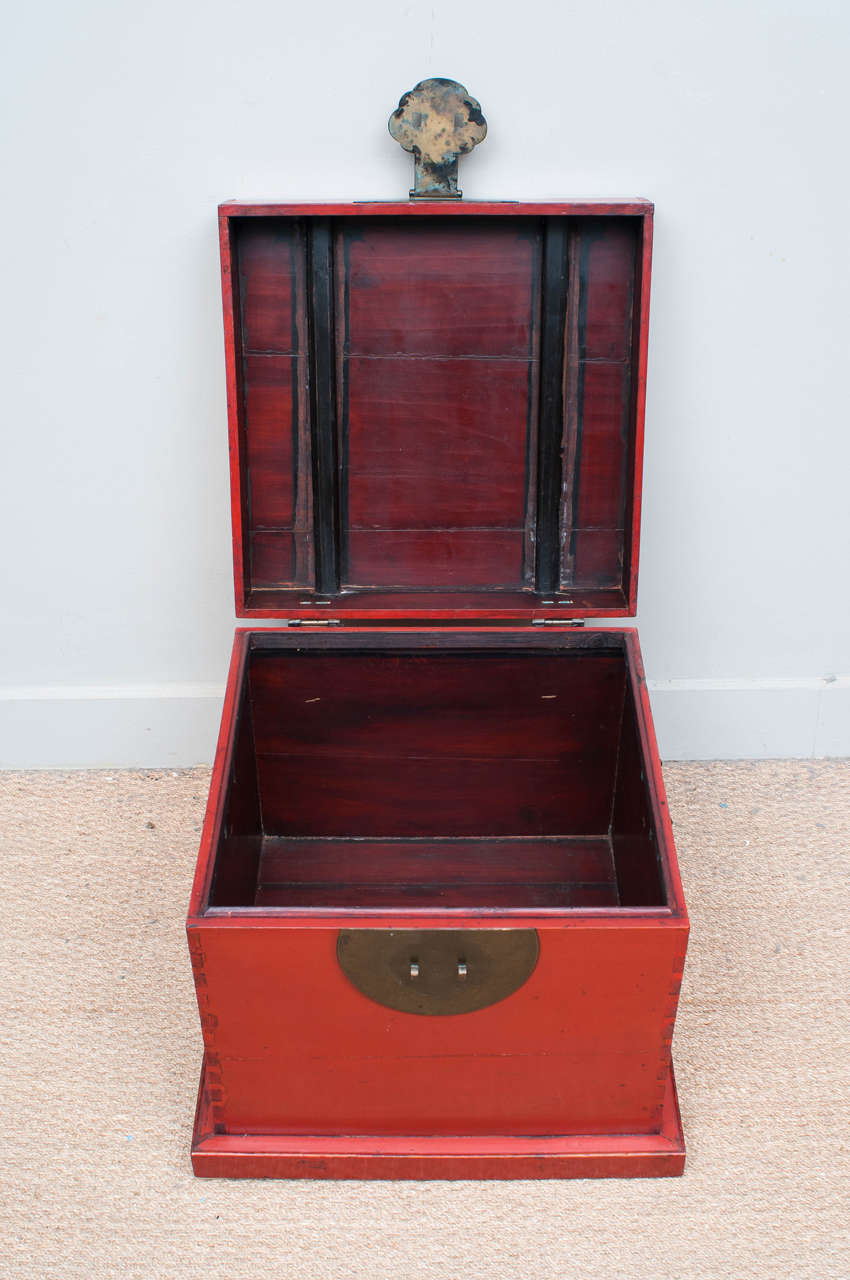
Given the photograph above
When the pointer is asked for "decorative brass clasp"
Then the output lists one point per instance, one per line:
(437, 971)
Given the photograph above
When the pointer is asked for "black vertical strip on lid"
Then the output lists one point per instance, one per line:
(296, 245)
(551, 420)
(320, 308)
(240, 343)
(585, 245)
(529, 518)
(343, 261)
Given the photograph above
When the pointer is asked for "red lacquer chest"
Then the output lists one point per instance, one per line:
(437, 927)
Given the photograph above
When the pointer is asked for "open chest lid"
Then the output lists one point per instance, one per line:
(436, 408)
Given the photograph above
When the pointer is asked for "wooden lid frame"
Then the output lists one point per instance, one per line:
(436, 409)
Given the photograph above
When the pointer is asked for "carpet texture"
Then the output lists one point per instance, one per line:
(100, 1051)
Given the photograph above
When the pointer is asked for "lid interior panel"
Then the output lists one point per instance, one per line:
(435, 415)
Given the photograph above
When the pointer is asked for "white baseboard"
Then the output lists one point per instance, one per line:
(752, 719)
(108, 726)
(176, 725)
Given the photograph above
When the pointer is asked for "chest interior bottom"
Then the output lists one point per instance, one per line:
(514, 871)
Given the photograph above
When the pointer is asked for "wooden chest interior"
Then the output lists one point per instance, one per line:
(405, 772)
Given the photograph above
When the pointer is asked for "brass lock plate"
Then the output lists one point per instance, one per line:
(437, 971)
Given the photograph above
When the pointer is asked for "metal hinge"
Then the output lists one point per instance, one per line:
(337, 622)
(312, 622)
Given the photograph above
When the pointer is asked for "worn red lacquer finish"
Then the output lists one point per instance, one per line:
(436, 432)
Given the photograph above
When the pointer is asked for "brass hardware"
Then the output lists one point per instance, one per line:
(312, 622)
(437, 971)
(438, 121)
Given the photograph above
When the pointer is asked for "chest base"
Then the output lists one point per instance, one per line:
(375, 1156)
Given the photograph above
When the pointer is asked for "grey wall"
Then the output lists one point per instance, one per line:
(125, 125)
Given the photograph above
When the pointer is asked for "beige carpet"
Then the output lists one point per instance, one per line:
(100, 1049)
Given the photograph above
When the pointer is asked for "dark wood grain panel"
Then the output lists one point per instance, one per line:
(602, 484)
(275, 443)
(436, 744)
(634, 841)
(269, 255)
(458, 873)
(450, 289)
(281, 556)
(376, 744)
(239, 849)
(373, 796)
(598, 557)
(269, 389)
(433, 443)
(448, 559)
(607, 283)
(483, 706)
(367, 862)
(454, 896)
(595, 507)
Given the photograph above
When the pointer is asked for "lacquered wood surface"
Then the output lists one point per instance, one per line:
(269, 1155)
(421, 778)
(238, 858)
(370, 734)
(408, 607)
(561, 895)
(610, 206)
(415, 373)
(579, 1048)
(272, 352)
(639, 879)
(450, 873)
(436, 744)
(436, 412)
(439, 404)
(597, 427)
(512, 860)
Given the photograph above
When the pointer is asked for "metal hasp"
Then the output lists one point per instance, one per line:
(438, 121)
(437, 971)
